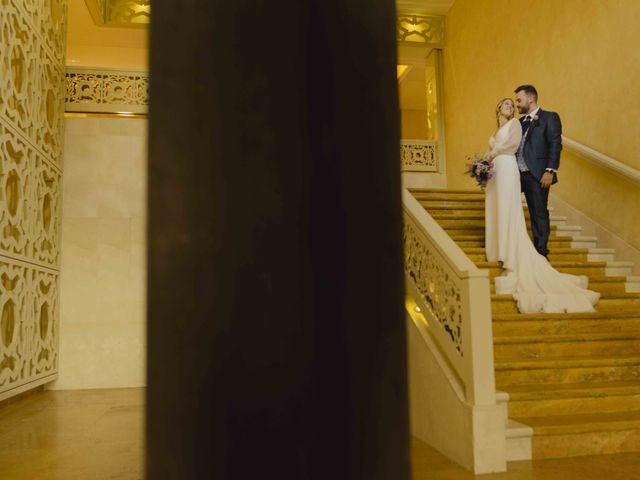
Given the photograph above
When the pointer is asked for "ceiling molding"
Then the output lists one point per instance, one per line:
(431, 7)
(97, 10)
(120, 13)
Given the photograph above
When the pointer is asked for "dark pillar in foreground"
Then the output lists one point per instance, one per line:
(276, 327)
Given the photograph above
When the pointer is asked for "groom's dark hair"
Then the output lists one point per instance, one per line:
(529, 90)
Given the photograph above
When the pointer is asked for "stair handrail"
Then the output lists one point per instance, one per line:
(454, 299)
(602, 160)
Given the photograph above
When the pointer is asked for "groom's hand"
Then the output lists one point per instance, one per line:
(546, 180)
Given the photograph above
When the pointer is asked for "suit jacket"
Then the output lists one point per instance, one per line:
(543, 144)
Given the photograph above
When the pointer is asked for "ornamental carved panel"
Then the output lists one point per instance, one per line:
(32, 51)
(440, 293)
(128, 12)
(47, 201)
(17, 212)
(32, 47)
(19, 55)
(50, 111)
(28, 324)
(421, 29)
(418, 155)
(30, 202)
(91, 90)
(42, 342)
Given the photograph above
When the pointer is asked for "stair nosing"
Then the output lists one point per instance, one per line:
(510, 317)
(571, 391)
(591, 424)
(563, 363)
(576, 338)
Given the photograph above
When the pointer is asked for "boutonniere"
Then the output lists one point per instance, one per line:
(535, 119)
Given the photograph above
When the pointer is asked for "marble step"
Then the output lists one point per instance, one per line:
(608, 301)
(444, 195)
(518, 441)
(601, 254)
(595, 269)
(558, 324)
(446, 190)
(603, 284)
(571, 399)
(582, 241)
(591, 269)
(479, 243)
(567, 230)
(455, 205)
(558, 220)
(478, 236)
(470, 214)
(567, 369)
(458, 204)
(633, 284)
(588, 434)
(543, 346)
(472, 225)
(619, 268)
(450, 197)
(617, 284)
(559, 254)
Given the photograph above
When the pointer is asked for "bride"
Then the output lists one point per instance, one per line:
(534, 283)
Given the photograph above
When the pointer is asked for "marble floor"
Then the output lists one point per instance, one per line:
(98, 435)
(73, 435)
(428, 464)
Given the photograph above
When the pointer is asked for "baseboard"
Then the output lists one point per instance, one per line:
(19, 390)
(606, 238)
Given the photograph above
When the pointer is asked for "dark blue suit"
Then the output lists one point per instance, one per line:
(542, 148)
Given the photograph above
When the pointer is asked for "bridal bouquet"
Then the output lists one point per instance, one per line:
(481, 169)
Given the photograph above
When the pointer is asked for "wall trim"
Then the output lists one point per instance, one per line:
(602, 160)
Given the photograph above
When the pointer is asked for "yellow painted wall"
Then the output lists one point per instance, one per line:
(414, 124)
(583, 57)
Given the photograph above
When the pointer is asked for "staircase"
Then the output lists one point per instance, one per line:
(574, 379)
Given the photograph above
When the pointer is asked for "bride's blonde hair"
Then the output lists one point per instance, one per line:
(499, 107)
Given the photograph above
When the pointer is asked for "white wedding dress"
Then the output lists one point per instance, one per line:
(535, 285)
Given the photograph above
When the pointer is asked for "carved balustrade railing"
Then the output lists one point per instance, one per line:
(453, 298)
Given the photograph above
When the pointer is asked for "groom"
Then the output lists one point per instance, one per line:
(538, 160)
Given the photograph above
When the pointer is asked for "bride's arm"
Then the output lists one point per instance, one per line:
(510, 143)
